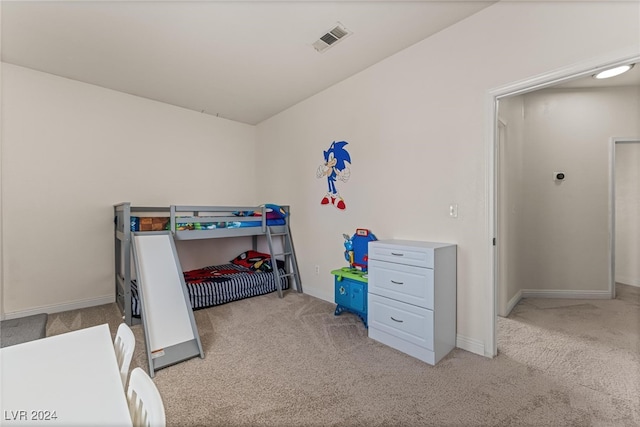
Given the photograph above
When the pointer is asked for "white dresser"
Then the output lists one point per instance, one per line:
(412, 297)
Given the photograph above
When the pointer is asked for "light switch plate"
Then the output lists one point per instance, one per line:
(453, 210)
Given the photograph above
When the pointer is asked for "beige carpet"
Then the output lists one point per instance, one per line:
(291, 362)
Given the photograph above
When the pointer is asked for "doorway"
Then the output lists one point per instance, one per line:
(625, 208)
(497, 209)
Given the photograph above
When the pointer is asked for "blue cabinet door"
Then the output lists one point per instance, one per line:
(343, 293)
(358, 297)
(351, 295)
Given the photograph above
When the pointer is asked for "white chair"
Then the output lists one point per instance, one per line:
(145, 402)
(125, 344)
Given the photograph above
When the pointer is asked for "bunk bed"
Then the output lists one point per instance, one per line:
(249, 274)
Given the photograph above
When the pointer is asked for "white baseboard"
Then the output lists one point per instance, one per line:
(320, 295)
(558, 293)
(513, 302)
(631, 281)
(470, 344)
(57, 308)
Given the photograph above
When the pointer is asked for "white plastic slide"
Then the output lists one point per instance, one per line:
(169, 326)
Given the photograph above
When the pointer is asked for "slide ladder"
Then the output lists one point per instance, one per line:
(167, 317)
(289, 254)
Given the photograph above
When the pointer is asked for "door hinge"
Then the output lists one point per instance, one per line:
(494, 241)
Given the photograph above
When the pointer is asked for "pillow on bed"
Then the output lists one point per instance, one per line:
(251, 259)
(275, 211)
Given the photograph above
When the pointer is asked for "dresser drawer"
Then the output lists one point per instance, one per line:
(405, 321)
(401, 254)
(413, 285)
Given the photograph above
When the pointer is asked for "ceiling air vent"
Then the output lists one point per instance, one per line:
(332, 37)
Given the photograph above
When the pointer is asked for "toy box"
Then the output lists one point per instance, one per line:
(351, 292)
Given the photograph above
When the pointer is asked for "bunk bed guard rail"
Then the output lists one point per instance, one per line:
(216, 221)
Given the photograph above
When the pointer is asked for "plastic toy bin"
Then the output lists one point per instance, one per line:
(351, 292)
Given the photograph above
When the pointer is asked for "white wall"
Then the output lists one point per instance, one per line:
(557, 234)
(70, 151)
(627, 208)
(1, 180)
(565, 234)
(417, 125)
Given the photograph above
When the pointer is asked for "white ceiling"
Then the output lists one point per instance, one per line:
(241, 60)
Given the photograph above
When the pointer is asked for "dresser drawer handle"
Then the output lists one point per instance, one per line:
(396, 320)
(396, 254)
(397, 283)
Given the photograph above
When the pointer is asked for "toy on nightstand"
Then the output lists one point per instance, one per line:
(351, 282)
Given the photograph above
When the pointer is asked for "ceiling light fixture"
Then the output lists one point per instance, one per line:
(612, 72)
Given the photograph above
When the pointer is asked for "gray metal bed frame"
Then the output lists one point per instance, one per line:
(196, 214)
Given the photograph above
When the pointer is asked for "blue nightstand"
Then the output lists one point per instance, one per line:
(351, 292)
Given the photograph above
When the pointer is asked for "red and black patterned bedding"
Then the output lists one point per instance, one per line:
(220, 284)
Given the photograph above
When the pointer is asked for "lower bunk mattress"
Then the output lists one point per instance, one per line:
(220, 284)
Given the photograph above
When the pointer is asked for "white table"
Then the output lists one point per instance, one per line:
(70, 379)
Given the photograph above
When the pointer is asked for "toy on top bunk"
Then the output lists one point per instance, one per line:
(163, 223)
(206, 225)
(149, 223)
(274, 212)
(357, 248)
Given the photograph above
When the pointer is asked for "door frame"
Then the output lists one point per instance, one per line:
(492, 99)
(612, 206)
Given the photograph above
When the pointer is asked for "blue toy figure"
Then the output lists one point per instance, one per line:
(348, 246)
(357, 248)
